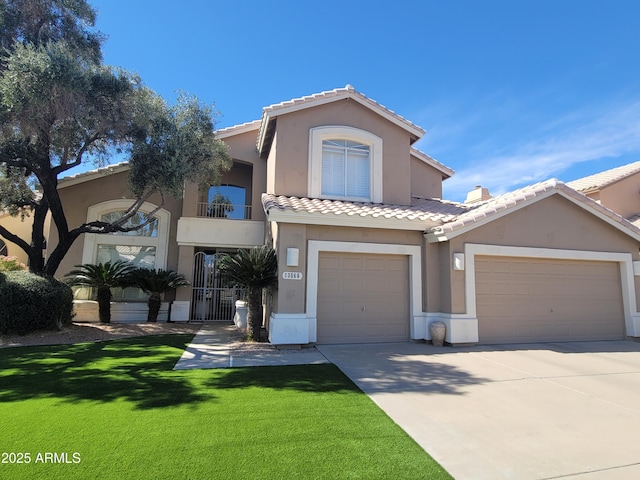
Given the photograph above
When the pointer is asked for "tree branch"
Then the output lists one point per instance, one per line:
(15, 239)
(100, 227)
(63, 167)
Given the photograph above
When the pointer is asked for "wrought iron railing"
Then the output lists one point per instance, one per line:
(224, 210)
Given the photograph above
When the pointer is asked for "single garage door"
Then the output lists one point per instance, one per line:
(522, 300)
(362, 298)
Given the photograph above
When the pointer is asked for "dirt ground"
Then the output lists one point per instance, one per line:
(93, 332)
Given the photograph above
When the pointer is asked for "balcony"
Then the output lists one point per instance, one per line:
(223, 210)
(220, 225)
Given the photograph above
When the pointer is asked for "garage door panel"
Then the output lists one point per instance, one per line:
(529, 300)
(362, 298)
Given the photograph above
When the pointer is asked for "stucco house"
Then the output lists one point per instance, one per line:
(368, 250)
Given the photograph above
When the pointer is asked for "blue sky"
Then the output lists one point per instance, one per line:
(510, 92)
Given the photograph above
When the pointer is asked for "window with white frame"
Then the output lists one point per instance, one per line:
(345, 163)
(346, 169)
(145, 247)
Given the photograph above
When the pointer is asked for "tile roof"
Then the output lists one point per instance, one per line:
(424, 211)
(448, 172)
(90, 174)
(238, 129)
(635, 220)
(271, 111)
(483, 212)
(602, 179)
(441, 220)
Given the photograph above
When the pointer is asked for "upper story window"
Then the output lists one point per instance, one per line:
(345, 163)
(226, 201)
(149, 230)
(346, 169)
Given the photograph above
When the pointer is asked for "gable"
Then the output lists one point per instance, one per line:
(293, 156)
(270, 113)
(505, 205)
(554, 222)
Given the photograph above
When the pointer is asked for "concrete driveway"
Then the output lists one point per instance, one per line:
(538, 411)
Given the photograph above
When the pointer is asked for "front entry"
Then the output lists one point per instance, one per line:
(212, 299)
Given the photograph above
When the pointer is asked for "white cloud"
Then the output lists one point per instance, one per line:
(559, 144)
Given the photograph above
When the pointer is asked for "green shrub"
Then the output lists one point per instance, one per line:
(29, 302)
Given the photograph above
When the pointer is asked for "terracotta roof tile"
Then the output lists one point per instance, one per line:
(421, 209)
(602, 179)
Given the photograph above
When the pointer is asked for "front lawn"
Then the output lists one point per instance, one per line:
(116, 410)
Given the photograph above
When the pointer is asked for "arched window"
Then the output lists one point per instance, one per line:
(146, 247)
(345, 163)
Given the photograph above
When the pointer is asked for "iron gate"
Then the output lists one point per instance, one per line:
(212, 299)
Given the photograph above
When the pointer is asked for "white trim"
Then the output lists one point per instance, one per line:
(631, 314)
(415, 276)
(423, 157)
(91, 240)
(341, 132)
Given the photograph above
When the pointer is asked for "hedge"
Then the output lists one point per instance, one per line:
(29, 302)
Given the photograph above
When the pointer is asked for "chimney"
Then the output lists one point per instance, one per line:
(478, 194)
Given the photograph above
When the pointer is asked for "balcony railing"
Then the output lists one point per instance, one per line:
(224, 210)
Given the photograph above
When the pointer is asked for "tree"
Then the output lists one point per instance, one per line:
(103, 277)
(60, 107)
(156, 283)
(219, 206)
(256, 270)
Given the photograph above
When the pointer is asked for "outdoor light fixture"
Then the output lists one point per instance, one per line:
(458, 261)
(292, 257)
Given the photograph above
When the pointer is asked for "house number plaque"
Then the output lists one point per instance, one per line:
(292, 275)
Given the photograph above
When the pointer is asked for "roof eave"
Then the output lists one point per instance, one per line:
(93, 175)
(276, 214)
(441, 234)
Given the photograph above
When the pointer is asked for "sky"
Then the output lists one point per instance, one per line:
(509, 92)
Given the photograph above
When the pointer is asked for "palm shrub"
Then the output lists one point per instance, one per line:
(156, 283)
(255, 270)
(103, 277)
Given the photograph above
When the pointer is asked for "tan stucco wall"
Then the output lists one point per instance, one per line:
(21, 228)
(426, 181)
(554, 223)
(623, 197)
(243, 150)
(76, 199)
(290, 297)
(248, 171)
(292, 156)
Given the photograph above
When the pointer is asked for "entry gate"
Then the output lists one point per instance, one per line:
(212, 299)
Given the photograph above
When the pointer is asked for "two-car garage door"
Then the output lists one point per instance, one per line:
(362, 298)
(540, 300)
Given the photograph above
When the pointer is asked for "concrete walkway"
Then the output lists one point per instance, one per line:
(542, 411)
(214, 347)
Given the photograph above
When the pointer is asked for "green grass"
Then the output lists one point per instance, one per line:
(120, 406)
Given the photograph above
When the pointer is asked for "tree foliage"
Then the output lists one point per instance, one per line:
(256, 270)
(60, 107)
(155, 283)
(103, 277)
